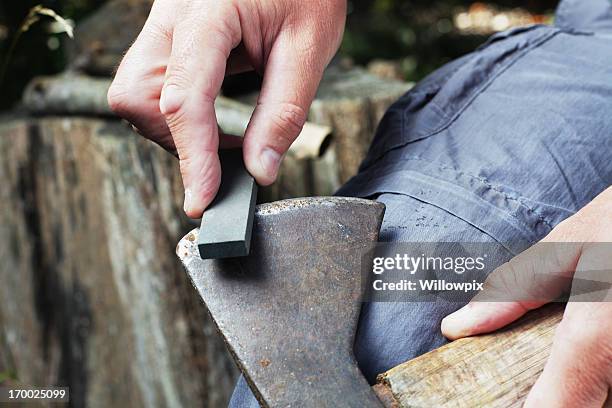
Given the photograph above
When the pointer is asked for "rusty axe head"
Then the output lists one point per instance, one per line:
(288, 311)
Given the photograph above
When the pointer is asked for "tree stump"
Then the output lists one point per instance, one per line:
(92, 295)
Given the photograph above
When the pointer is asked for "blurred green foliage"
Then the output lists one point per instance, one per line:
(416, 32)
(7, 375)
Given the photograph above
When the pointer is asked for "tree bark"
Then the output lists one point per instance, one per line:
(92, 295)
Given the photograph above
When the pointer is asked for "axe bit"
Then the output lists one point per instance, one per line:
(288, 312)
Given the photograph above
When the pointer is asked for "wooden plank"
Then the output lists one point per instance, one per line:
(493, 370)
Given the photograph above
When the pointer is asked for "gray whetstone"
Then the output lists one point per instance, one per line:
(227, 223)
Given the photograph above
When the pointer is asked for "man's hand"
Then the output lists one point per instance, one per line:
(579, 370)
(168, 81)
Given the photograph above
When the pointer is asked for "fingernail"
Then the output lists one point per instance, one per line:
(270, 160)
(458, 324)
(188, 203)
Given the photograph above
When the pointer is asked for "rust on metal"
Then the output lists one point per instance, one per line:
(288, 311)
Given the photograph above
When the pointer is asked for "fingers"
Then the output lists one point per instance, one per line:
(291, 78)
(196, 68)
(238, 61)
(169, 79)
(579, 369)
(538, 275)
(481, 317)
(135, 90)
(578, 372)
(528, 281)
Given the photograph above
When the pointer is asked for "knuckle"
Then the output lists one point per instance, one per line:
(126, 98)
(513, 282)
(178, 77)
(204, 174)
(177, 124)
(504, 279)
(179, 87)
(172, 102)
(218, 24)
(584, 336)
(288, 121)
(119, 99)
(157, 31)
(227, 26)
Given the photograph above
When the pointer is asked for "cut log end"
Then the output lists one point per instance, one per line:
(384, 394)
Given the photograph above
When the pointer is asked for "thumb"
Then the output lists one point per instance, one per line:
(533, 278)
(290, 82)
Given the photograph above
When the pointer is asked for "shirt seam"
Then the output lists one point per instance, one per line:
(517, 198)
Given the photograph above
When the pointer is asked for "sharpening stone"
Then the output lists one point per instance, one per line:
(228, 222)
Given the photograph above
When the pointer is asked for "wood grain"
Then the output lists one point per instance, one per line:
(494, 370)
(92, 295)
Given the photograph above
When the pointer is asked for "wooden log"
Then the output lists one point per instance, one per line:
(67, 94)
(92, 296)
(386, 69)
(75, 94)
(493, 370)
(350, 103)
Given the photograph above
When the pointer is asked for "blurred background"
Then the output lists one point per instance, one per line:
(419, 35)
(92, 295)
